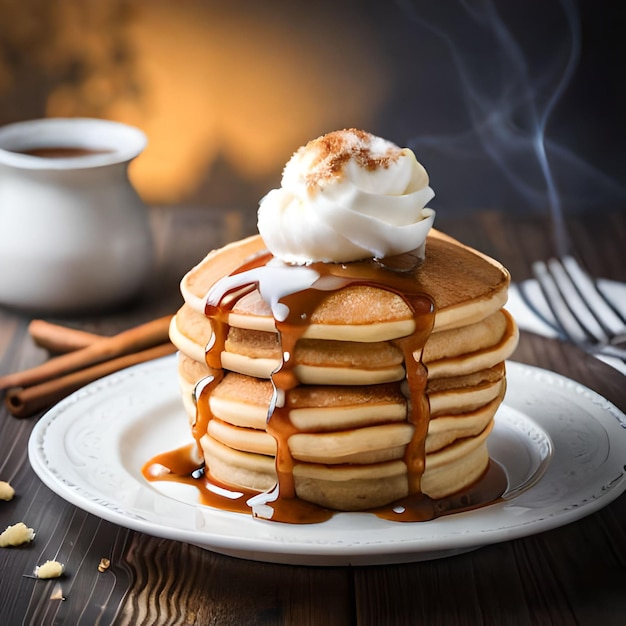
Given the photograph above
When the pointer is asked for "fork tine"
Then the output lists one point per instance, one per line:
(579, 307)
(557, 287)
(605, 314)
(567, 323)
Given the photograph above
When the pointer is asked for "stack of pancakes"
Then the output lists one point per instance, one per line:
(348, 413)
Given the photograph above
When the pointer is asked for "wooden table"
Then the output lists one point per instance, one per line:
(575, 574)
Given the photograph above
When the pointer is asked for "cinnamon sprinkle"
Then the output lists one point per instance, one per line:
(334, 150)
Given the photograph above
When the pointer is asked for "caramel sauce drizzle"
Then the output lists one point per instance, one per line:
(300, 306)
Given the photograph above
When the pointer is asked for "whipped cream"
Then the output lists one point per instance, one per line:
(347, 196)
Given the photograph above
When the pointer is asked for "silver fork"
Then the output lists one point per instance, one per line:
(583, 314)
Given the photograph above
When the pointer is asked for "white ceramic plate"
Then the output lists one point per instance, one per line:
(562, 445)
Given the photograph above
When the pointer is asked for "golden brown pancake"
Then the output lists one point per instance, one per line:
(466, 286)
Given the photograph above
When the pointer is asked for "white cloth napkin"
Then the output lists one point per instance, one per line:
(542, 321)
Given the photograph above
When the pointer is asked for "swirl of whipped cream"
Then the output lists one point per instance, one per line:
(347, 196)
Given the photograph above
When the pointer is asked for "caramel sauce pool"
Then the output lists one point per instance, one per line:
(179, 468)
(286, 506)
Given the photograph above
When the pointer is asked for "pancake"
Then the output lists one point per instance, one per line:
(349, 413)
(466, 286)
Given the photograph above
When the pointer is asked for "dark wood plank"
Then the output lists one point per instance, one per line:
(177, 583)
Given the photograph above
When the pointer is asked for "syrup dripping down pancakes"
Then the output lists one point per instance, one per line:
(349, 413)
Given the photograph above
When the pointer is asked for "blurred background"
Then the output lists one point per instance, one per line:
(512, 105)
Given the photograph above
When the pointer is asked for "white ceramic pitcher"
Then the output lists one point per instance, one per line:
(74, 233)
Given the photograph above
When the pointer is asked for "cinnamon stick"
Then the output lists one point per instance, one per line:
(30, 400)
(134, 340)
(60, 339)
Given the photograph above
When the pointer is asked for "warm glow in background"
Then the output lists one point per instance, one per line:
(238, 86)
(246, 87)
